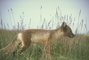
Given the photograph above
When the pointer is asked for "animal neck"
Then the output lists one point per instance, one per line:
(58, 33)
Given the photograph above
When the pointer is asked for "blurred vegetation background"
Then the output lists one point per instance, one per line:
(65, 49)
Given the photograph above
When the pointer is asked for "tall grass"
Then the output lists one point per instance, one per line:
(65, 49)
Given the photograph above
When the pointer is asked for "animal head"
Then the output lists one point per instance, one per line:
(67, 30)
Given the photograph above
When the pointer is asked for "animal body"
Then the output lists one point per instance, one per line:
(46, 37)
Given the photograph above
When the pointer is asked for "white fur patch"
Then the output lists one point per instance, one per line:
(20, 38)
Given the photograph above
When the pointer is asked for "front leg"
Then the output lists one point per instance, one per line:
(49, 50)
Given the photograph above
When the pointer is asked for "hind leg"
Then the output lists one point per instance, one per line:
(15, 51)
(24, 46)
(14, 54)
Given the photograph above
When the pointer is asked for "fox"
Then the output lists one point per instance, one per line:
(38, 36)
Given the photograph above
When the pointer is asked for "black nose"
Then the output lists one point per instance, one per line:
(71, 36)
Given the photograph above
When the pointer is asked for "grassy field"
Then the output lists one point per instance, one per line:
(65, 49)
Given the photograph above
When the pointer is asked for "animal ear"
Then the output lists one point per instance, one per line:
(64, 24)
(63, 27)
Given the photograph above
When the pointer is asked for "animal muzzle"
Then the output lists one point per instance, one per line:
(71, 36)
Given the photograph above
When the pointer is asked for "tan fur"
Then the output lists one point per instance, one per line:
(46, 37)
(10, 47)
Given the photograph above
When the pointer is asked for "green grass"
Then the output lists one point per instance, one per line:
(65, 49)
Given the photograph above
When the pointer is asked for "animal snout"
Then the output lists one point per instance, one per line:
(71, 36)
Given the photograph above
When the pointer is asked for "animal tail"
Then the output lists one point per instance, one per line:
(10, 47)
